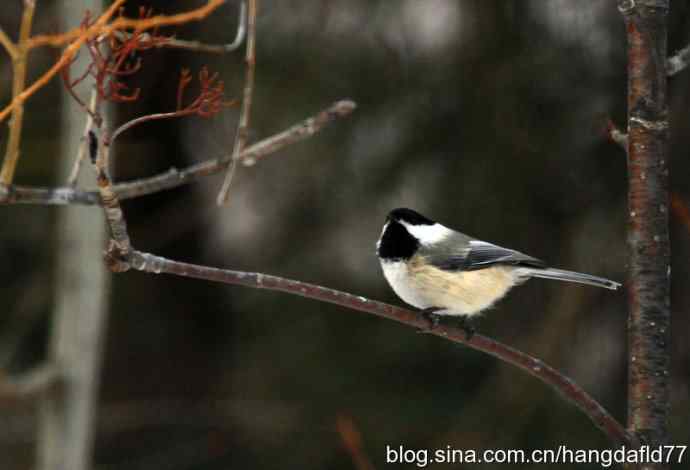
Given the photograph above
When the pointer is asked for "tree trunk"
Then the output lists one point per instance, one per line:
(648, 199)
(82, 285)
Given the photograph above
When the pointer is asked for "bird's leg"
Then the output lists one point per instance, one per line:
(430, 313)
(466, 325)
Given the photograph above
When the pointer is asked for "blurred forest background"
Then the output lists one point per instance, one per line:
(487, 115)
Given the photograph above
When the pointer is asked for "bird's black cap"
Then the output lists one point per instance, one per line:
(408, 215)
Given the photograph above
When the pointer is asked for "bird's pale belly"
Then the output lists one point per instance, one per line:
(457, 293)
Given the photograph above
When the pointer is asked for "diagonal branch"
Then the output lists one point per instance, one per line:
(563, 385)
(9, 46)
(30, 383)
(174, 177)
(243, 123)
(102, 28)
(352, 442)
(64, 60)
(92, 110)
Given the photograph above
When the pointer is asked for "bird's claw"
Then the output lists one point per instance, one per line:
(433, 318)
(467, 327)
(431, 314)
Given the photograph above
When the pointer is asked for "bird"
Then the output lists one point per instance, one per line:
(443, 272)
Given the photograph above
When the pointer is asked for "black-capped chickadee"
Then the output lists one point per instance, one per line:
(444, 272)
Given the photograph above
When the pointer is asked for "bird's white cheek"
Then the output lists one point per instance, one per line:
(428, 234)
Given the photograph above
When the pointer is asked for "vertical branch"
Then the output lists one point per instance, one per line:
(648, 200)
(76, 166)
(67, 418)
(18, 82)
(243, 124)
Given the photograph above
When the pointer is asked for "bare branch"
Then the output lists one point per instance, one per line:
(208, 103)
(296, 133)
(100, 153)
(92, 108)
(66, 57)
(174, 177)
(8, 44)
(352, 442)
(47, 196)
(616, 135)
(30, 383)
(678, 62)
(149, 117)
(19, 62)
(243, 122)
(551, 377)
(198, 46)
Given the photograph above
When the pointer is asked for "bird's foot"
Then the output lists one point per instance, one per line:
(431, 314)
(466, 325)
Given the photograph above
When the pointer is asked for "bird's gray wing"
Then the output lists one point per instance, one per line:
(477, 254)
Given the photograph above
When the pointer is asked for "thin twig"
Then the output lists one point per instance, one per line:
(78, 36)
(616, 135)
(678, 208)
(173, 178)
(15, 194)
(93, 105)
(30, 383)
(141, 24)
(243, 123)
(208, 103)
(198, 46)
(149, 117)
(19, 62)
(64, 60)
(99, 151)
(678, 62)
(296, 133)
(563, 385)
(8, 44)
(352, 442)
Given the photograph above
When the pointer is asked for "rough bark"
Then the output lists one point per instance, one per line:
(648, 200)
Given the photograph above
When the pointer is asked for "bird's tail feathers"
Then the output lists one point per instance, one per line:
(571, 276)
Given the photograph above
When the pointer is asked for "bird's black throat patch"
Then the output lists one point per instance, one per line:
(396, 243)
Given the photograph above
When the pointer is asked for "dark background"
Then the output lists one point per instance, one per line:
(488, 116)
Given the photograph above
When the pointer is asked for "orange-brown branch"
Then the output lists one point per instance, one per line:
(57, 40)
(76, 38)
(19, 66)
